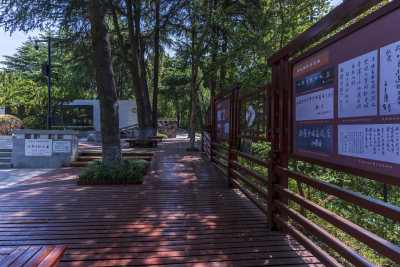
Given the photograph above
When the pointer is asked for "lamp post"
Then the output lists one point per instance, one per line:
(48, 73)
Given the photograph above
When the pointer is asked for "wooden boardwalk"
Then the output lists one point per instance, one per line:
(183, 214)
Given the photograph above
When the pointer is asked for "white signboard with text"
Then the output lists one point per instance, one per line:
(38, 147)
(61, 146)
(315, 106)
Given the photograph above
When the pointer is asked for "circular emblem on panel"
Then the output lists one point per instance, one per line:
(250, 116)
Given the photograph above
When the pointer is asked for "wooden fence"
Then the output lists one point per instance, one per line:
(266, 117)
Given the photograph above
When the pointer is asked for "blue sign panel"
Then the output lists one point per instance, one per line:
(315, 138)
(315, 80)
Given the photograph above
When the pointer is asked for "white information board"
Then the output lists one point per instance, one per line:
(357, 86)
(389, 94)
(370, 141)
(315, 106)
(38, 147)
(61, 146)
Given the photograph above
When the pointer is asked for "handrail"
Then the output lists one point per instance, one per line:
(215, 159)
(224, 157)
(387, 210)
(374, 241)
(255, 187)
(251, 158)
(219, 145)
(323, 256)
(344, 250)
(250, 172)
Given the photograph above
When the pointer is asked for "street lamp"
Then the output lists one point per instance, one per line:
(47, 71)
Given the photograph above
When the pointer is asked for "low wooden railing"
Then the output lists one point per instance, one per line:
(259, 189)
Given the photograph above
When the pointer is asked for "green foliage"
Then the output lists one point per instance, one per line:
(163, 135)
(9, 123)
(34, 122)
(130, 170)
(16, 91)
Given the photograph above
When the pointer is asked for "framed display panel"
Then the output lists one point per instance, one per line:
(223, 120)
(253, 116)
(346, 97)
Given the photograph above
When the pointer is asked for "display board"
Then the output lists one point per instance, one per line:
(38, 147)
(346, 100)
(223, 119)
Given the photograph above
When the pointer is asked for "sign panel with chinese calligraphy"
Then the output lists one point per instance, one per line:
(314, 106)
(62, 146)
(370, 141)
(38, 147)
(346, 106)
(223, 119)
(390, 79)
(315, 138)
(357, 83)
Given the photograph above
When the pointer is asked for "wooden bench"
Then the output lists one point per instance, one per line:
(158, 138)
(133, 142)
(32, 255)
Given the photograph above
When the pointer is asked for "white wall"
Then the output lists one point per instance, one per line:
(3, 111)
(126, 116)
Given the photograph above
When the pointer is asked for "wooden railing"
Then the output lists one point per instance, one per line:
(270, 182)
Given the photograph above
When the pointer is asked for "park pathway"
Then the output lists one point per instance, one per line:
(183, 214)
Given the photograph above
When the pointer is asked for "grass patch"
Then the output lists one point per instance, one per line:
(132, 171)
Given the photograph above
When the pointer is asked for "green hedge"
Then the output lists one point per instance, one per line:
(130, 170)
(34, 123)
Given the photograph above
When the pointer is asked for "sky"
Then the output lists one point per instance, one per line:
(9, 44)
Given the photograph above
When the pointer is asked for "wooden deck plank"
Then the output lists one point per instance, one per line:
(54, 257)
(183, 214)
(39, 256)
(13, 256)
(25, 257)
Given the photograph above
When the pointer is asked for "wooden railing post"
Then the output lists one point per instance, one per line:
(279, 136)
(233, 140)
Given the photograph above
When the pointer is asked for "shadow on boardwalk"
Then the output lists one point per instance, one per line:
(183, 214)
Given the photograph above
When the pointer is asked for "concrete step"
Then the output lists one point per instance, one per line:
(5, 160)
(8, 150)
(5, 154)
(5, 165)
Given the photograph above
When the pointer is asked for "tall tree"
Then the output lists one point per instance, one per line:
(73, 16)
(136, 25)
(156, 60)
(133, 50)
(109, 118)
(198, 36)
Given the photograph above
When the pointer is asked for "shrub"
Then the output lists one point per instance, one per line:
(9, 123)
(161, 134)
(34, 123)
(129, 171)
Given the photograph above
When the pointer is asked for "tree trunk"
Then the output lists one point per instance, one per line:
(133, 51)
(214, 53)
(224, 49)
(109, 119)
(156, 62)
(193, 88)
(197, 46)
